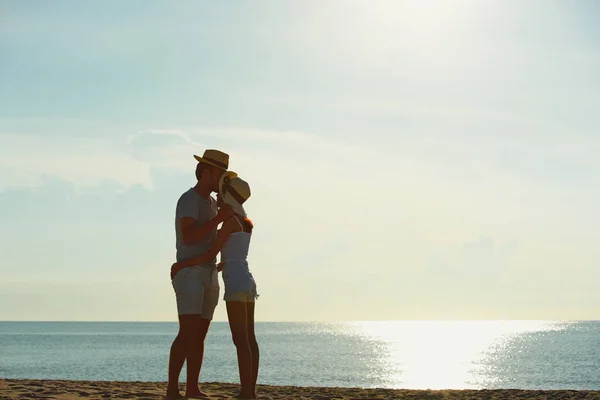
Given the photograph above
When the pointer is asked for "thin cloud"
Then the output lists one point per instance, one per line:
(128, 160)
(160, 138)
(83, 162)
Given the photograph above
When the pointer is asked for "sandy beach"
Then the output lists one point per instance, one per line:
(71, 390)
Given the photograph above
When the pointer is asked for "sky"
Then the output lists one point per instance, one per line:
(407, 159)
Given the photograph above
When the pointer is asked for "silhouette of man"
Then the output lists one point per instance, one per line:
(197, 287)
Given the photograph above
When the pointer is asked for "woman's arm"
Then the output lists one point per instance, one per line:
(222, 236)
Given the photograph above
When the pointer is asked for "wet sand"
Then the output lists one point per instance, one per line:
(71, 390)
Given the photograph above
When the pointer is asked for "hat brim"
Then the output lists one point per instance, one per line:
(235, 206)
(239, 210)
(205, 161)
(227, 175)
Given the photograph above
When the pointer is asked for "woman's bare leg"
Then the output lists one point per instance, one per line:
(253, 344)
(236, 313)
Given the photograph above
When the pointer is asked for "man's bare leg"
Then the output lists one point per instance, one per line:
(193, 370)
(180, 349)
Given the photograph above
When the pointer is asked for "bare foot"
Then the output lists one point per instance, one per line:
(196, 394)
(173, 395)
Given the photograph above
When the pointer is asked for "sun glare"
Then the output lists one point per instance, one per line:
(441, 354)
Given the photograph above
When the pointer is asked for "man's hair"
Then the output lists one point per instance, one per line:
(200, 170)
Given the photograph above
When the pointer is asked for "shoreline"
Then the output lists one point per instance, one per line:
(38, 389)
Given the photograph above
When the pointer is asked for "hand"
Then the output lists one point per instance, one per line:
(225, 212)
(220, 266)
(175, 268)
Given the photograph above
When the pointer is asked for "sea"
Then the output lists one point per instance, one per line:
(390, 354)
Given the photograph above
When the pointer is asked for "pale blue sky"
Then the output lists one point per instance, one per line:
(407, 159)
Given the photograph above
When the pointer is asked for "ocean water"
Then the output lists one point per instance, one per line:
(391, 354)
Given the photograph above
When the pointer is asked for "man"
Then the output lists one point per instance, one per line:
(196, 288)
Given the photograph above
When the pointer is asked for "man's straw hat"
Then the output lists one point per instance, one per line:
(215, 158)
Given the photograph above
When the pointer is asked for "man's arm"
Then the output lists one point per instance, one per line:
(192, 232)
(215, 248)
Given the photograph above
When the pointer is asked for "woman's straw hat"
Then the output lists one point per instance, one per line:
(226, 177)
(235, 191)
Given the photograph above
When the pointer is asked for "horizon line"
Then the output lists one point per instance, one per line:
(320, 321)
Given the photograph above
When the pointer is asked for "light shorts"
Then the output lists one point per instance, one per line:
(197, 291)
(240, 296)
(243, 296)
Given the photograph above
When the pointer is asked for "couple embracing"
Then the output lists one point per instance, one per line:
(195, 274)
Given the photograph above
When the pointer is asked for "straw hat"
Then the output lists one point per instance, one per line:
(215, 158)
(235, 192)
(225, 178)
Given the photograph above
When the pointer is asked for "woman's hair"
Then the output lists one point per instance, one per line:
(248, 225)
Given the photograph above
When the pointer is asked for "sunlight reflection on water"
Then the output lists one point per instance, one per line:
(443, 354)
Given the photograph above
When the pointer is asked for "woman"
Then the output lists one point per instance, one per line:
(233, 241)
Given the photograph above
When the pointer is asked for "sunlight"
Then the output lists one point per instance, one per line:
(441, 354)
(422, 18)
(392, 33)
